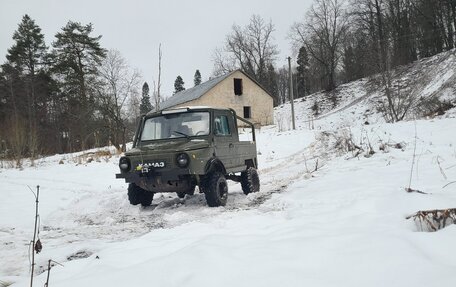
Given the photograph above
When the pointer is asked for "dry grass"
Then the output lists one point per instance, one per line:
(5, 284)
(97, 156)
(434, 220)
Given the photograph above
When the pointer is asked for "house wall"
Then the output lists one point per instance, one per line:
(222, 96)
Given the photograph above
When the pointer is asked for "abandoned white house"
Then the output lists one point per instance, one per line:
(235, 90)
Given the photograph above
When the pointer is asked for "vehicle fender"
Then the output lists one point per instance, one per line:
(214, 164)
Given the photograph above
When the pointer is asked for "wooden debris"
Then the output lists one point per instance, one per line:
(408, 189)
(433, 220)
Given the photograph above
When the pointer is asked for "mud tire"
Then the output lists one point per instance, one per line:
(250, 181)
(216, 190)
(191, 191)
(137, 195)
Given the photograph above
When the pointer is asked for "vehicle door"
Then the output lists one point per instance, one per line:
(223, 138)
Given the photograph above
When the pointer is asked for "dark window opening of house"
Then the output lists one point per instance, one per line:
(247, 113)
(238, 87)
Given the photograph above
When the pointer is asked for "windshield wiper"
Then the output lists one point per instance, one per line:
(182, 134)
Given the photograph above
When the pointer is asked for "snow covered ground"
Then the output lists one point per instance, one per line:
(342, 225)
(325, 215)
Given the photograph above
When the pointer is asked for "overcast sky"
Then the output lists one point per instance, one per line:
(189, 31)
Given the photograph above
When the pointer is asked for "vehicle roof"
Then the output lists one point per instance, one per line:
(186, 109)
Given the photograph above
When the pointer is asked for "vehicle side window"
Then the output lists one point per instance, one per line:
(222, 127)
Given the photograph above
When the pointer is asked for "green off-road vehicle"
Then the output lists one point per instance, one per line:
(176, 150)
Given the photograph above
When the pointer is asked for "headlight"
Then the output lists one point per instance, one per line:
(182, 160)
(124, 164)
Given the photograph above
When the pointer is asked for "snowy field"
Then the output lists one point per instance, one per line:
(325, 216)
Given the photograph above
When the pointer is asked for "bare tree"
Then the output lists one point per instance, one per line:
(250, 48)
(119, 83)
(133, 108)
(372, 17)
(323, 33)
(223, 62)
(283, 84)
(383, 55)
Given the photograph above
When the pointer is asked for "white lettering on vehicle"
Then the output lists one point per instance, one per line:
(154, 164)
(145, 167)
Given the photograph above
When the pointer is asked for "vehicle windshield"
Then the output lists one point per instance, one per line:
(177, 125)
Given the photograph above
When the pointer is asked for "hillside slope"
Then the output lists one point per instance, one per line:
(424, 84)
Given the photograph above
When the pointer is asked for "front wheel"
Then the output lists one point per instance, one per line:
(250, 181)
(216, 190)
(137, 195)
(191, 191)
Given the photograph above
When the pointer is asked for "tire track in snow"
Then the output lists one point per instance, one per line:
(114, 219)
(168, 211)
(112, 223)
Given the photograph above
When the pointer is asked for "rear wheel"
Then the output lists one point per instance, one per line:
(137, 195)
(216, 190)
(250, 181)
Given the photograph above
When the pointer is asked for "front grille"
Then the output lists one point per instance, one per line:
(154, 162)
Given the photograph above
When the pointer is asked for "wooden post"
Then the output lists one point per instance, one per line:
(49, 271)
(34, 233)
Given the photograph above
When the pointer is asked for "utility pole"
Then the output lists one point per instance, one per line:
(157, 96)
(291, 93)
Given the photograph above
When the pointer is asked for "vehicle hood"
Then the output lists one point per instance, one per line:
(170, 146)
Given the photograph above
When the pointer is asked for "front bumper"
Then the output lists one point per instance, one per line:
(164, 174)
(172, 180)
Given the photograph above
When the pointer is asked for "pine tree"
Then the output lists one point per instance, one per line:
(302, 74)
(145, 106)
(178, 85)
(29, 50)
(25, 70)
(197, 78)
(78, 56)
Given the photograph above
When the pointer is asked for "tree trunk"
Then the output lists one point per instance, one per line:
(386, 77)
(124, 140)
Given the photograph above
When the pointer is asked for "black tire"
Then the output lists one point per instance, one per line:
(137, 195)
(216, 190)
(250, 181)
(203, 184)
(191, 191)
